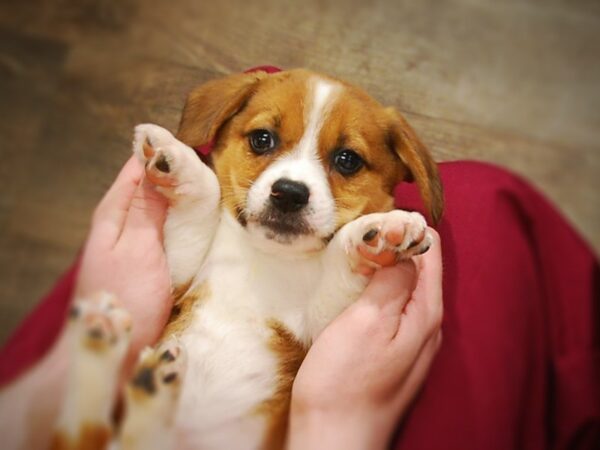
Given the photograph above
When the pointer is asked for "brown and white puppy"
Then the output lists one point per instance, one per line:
(265, 247)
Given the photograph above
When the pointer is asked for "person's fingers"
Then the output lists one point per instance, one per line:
(422, 316)
(391, 286)
(386, 295)
(146, 214)
(411, 384)
(112, 210)
(429, 282)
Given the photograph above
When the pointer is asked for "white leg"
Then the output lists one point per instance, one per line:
(152, 397)
(194, 194)
(357, 250)
(98, 333)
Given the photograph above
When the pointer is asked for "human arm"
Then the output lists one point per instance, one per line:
(366, 367)
(123, 250)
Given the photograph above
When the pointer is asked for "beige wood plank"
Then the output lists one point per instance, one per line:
(514, 82)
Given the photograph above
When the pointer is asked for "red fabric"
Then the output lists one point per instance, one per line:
(36, 334)
(520, 363)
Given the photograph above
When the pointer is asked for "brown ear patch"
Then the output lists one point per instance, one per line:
(212, 104)
(290, 354)
(403, 140)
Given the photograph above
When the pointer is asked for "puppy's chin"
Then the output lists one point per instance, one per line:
(284, 235)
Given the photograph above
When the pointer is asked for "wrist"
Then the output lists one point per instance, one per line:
(341, 428)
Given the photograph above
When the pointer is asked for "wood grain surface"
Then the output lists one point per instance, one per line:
(511, 82)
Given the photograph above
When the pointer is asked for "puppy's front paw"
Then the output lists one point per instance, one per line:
(382, 239)
(169, 163)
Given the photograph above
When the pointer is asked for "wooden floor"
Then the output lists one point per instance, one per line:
(512, 82)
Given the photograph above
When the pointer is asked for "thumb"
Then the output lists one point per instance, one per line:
(146, 213)
(111, 212)
(390, 289)
(391, 284)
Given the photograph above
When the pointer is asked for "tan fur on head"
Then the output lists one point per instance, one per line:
(228, 109)
(210, 105)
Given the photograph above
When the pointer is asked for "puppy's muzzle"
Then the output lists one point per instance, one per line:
(289, 196)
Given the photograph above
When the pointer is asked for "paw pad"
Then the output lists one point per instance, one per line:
(158, 369)
(386, 238)
(158, 149)
(162, 164)
(370, 235)
(99, 323)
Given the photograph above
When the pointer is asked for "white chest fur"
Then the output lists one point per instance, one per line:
(231, 369)
(252, 280)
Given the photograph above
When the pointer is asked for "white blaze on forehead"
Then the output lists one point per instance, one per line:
(303, 165)
(323, 94)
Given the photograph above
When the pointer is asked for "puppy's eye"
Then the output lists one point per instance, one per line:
(347, 162)
(262, 141)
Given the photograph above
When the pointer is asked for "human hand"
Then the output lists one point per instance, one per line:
(124, 254)
(367, 366)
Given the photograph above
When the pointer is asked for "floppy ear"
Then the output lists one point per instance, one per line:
(417, 158)
(210, 105)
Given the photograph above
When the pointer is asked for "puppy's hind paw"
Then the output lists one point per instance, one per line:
(159, 372)
(152, 396)
(99, 325)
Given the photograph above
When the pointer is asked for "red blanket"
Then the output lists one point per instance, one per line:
(520, 363)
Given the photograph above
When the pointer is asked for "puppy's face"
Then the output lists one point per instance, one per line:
(299, 154)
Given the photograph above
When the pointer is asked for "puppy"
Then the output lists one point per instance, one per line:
(267, 242)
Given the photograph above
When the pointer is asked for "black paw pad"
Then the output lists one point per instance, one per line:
(370, 235)
(167, 356)
(96, 333)
(169, 378)
(162, 164)
(144, 379)
(412, 244)
(74, 312)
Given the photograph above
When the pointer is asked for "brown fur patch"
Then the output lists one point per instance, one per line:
(370, 189)
(180, 291)
(423, 170)
(290, 354)
(185, 300)
(212, 104)
(280, 103)
(91, 437)
(277, 105)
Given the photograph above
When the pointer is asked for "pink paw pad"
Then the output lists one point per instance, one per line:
(393, 237)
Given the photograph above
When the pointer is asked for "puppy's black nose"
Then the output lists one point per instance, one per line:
(288, 195)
